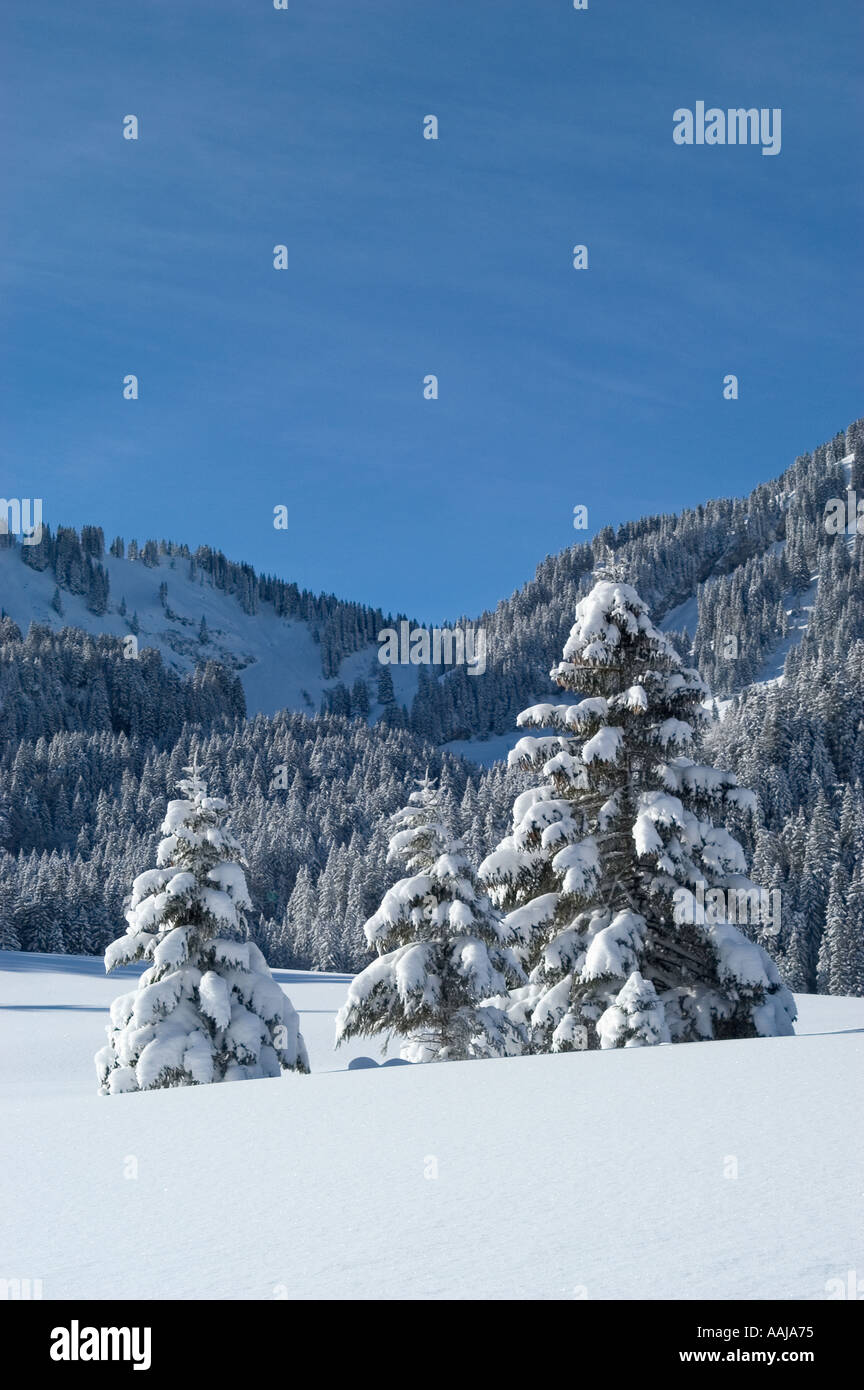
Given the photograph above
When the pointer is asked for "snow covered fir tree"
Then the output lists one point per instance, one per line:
(604, 873)
(441, 951)
(207, 1008)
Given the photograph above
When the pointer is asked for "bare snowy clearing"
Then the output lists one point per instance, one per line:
(388, 1183)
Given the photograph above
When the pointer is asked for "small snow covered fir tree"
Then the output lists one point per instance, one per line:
(635, 1018)
(207, 1008)
(441, 951)
(603, 873)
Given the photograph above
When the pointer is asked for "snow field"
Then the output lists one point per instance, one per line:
(594, 1175)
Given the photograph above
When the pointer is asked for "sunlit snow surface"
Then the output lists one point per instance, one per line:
(596, 1175)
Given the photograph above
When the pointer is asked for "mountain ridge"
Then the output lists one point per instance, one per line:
(296, 650)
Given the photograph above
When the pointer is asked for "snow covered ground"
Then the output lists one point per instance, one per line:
(725, 1170)
(495, 748)
(485, 751)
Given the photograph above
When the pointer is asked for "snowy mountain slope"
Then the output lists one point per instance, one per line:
(683, 617)
(798, 613)
(387, 1183)
(798, 608)
(278, 660)
(754, 555)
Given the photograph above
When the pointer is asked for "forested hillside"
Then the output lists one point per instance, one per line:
(91, 741)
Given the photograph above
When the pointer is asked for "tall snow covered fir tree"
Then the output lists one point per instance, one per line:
(441, 951)
(612, 847)
(207, 1008)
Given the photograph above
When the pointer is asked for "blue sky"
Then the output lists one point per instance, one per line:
(406, 257)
